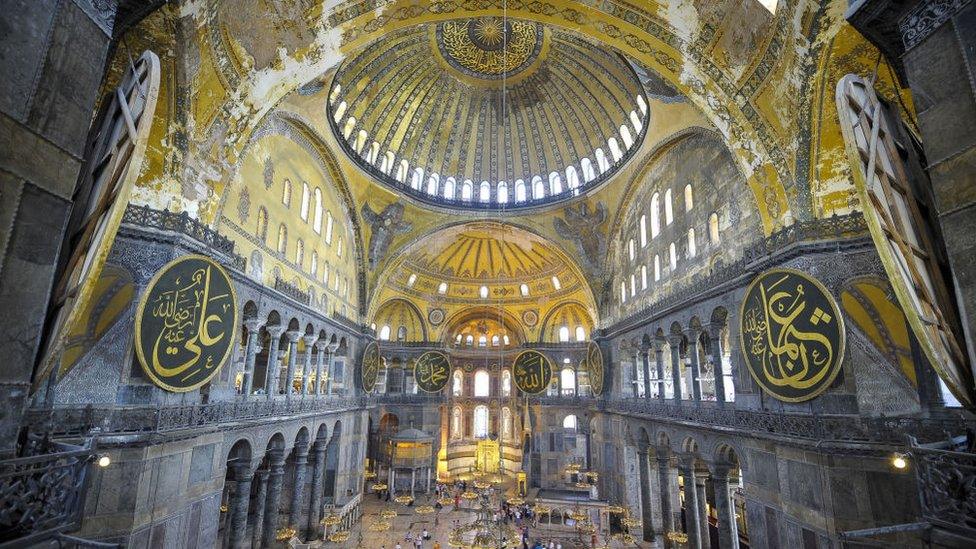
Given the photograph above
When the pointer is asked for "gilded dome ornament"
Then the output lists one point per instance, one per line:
(490, 48)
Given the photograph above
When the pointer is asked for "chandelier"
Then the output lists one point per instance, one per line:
(483, 533)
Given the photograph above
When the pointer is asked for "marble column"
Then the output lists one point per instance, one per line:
(275, 477)
(260, 500)
(694, 364)
(293, 336)
(715, 335)
(271, 376)
(319, 360)
(239, 504)
(301, 463)
(664, 483)
(728, 530)
(413, 480)
(692, 527)
(318, 471)
(647, 526)
(676, 367)
(706, 540)
(329, 358)
(251, 350)
(645, 354)
(309, 341)
(659, 361)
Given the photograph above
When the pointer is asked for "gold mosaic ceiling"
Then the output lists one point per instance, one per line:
(481, 101)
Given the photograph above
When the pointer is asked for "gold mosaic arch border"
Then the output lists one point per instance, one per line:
(419, 238)
(357, 23)
(293, 127)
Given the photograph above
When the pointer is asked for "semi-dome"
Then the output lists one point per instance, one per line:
(488, 112)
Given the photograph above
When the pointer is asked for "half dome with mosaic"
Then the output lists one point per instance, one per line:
(488, 113)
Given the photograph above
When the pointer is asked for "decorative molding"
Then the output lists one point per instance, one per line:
(928, 16)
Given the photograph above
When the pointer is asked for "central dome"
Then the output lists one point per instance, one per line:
(488, 112)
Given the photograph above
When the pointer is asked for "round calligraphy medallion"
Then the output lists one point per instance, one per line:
(594, 365)
(792, 334)
(532, 372)
(370, 369)
(431, 371)
(186, 322)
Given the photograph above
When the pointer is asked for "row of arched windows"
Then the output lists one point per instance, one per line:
(401, 334)
(480, 423)
(311, 205)
(579, 333)
(483, 340)
(467, 190)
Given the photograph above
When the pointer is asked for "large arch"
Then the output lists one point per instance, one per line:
(397, 313)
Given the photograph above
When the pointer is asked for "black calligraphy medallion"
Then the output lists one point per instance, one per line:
(431, 371)
(532, 372)
(792, 335)
(594, 366)
(370, 368)
(185, 323)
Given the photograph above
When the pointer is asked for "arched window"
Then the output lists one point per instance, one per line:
(317, 216)
(466, 190)
(494, 341)
(325, 274)
(483, 292)
(306, 196)
(402, 333)
(299, 252)
(416, 179)
(286, 193)
(482, 341)
(502, 193)
(482, 384)
(389, 159)
(314, 267)
(450, 188)
(657, 268)
(481, 421)
(692, 248)
(623, 292)
(556, 284)
(655, 215)
(668, 208)
(507, 430)
(555, 183)
(519, 191)
(538, 188)
(433, 182)
(457, 388)
(442, 288)
(713, 228)
(282, 238)
(602, 163)
(360, 144)
(385, 333)
(563, 334)
(402, 170)
(643, 231)
(642, 104)
(484, 194)
(374, 153)
(633, 285)
(262, 228)
(339, 248)
(689, 199)
(349, 127)
(570, 423)
(456, 423)
(673, 254)
(630, 249)
(625, 135)
(615, 151)
(328, 227)
(506, 383)
(411, 280)
(469, 340)
(636, 121)
(524, 288)
(572, 178)
(587, 167)
(340, 110)
(567, 381)
(580, 333)
(643, 277)
(505, 340)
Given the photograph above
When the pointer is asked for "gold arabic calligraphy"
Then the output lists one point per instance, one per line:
(431, 371)
(532, 372)
(791, 335)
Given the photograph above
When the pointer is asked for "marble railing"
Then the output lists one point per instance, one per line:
(946, 480)
(155, 419)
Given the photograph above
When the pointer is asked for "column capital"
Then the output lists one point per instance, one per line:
(333, 347)
(715, 329)
(309, 339)
(275, 331)
(686, 461)
(276, 458)
(692, 333)
(675, 340)
(321, 345)
(242, 471)
(253, 325)
(293, 335)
